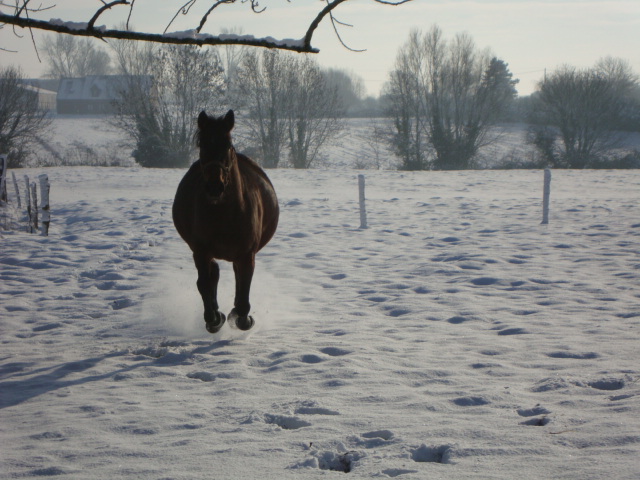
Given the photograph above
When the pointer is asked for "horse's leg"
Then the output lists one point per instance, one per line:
(243, 270)
(208, 276)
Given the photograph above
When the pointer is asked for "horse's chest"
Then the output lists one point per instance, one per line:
(227, 232)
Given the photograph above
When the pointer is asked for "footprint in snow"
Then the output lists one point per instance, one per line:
(574, 356)
(335, 351)
(432, 454)
(396, 472)
(502, 331)
(470, 401)
(457, 320)
(333, 461)
(608, 383)
(47, 327)
(285, 422)
(536, 416)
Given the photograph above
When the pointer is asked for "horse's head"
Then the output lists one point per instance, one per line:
(217, 156)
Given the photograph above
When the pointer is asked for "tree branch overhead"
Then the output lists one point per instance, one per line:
(22, 17)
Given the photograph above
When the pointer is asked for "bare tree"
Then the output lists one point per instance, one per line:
(313, 113)
(134, 58)
(24, 13)
(348, 85)
(22, 122)
(164, 90)
(262, 80)
(449, 92)
(403, 100)
(69, 56)
(290, 107)
(584, 105)
(232, 57)
(467, 90)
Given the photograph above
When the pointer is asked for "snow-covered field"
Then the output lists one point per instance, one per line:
(454, 338)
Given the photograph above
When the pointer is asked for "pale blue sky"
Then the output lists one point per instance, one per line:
(529, 35)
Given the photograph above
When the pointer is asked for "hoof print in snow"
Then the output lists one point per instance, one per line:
(396, 472)
(377, 438)
(574, 356)
(337, 462)
(536, 422)
(121, 303)
(152, 352)
(426, 454)
(203, 376)
(457, 320)
(315, 411)
(47, 327)
(533, 412)
(335, 351)
(382, 434)
(285, 422)
(470, 401)
(607, 384)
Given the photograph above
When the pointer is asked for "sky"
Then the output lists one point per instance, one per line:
(531, 36)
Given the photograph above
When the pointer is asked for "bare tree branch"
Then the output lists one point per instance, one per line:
(104, 8)
(22, 19)
(334, 23)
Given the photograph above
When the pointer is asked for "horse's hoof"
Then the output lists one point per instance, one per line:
(216, 324)
(245, 323)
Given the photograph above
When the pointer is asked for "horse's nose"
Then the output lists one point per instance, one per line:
(215, 189)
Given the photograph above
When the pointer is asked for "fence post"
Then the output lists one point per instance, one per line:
(28, 200)
(3, 178)
(363, 211)
(15, 185)
(545, 196)
(44, 201)
(34, 193)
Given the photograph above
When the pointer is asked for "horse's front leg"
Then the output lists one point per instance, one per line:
(243, 270)
(208, 277)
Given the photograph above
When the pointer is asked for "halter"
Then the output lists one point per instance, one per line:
(226, 169)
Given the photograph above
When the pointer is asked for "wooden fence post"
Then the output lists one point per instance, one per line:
(44, 201)
(34, 193)
(3, 178)
(28, 200)
(363, 211)
(15, 185)
(545, 196)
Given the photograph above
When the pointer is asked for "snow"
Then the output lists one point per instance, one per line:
(75, 25)
(456, 337)
(249, 39)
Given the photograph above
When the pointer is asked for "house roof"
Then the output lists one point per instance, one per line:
(93, 87)
(38, 90)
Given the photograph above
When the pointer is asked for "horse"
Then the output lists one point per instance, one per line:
(225, 208)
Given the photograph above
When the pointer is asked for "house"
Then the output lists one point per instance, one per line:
(46, 98)
(45, 89)
(93, 94)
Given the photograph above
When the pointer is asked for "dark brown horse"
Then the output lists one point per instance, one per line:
(225, 208)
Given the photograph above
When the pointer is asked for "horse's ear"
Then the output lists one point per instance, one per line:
(202, 119)
(229, 120)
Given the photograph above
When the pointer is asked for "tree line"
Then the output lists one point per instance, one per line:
(442, 98)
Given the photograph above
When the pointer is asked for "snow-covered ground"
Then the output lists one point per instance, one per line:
(454, 338)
